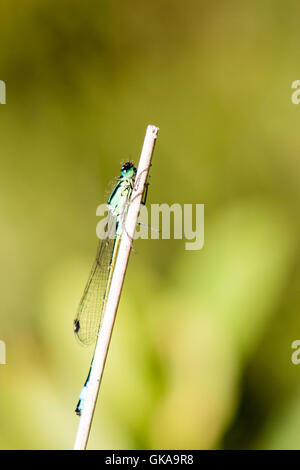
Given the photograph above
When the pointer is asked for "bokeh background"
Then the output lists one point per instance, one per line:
(201, 352)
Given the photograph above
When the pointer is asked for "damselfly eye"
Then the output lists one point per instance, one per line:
(126, 167)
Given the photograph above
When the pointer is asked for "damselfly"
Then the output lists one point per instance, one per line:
(92, 304)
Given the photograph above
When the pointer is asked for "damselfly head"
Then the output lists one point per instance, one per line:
(128, 170)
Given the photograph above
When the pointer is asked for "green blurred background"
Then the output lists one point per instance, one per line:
(201, 352)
